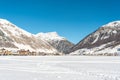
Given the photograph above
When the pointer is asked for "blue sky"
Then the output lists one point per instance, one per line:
(73, 19)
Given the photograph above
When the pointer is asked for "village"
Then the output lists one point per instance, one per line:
(21, 52)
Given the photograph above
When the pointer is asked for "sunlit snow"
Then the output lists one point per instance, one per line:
(59, 68)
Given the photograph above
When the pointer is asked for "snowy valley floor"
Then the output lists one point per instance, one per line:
(59, 68)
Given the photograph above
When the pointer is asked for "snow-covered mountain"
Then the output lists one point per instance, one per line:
(58, 42)
(104, 41)
(13, 37)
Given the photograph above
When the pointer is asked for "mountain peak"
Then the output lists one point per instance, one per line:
(4, 21)
(114, 24)
(6, 25)
(55, 34)
(50, 35)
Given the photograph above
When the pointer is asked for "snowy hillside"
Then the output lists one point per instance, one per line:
(58, 42)
(104, 41)
(13, 37)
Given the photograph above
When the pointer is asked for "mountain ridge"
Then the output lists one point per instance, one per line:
(14, 37)
(58, 42)
(104, 41)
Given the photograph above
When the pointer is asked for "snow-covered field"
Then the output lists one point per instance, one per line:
(59, 68)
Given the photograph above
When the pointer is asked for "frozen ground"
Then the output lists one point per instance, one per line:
(59, 68)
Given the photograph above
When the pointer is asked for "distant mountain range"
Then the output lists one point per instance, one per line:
(103, 41)
(15, 38)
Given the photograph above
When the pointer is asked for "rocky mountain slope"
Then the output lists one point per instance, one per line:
(104, 41)
(13, 37)
(58, 42)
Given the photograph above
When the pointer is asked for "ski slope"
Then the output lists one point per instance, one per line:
(59, 68)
